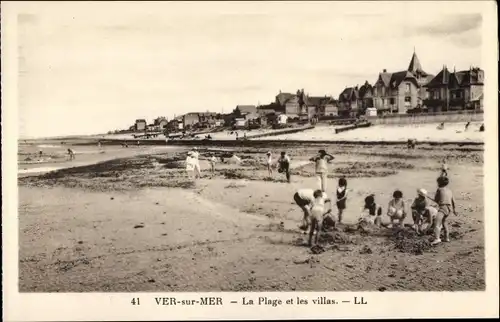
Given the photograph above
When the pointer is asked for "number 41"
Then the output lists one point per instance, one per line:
(135, 301)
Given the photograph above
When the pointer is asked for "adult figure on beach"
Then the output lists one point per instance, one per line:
(71, 154)
(321, 160)
(190, 166)
(196, 155)
(284, 165)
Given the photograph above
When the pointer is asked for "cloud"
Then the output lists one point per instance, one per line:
(447, 25)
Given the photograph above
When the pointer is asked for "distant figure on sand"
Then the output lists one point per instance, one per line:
(40, 153)
(99, 145)
(196, 155)
(321, 160)
(341, 197)
(269, 163)
(284, 165)
(412, 143)
(190, 166)
(446, 206)
(71, 154)
(440, 126)
(213, 161)
(481, 128)
(467, 126)
(444, 168)
(396, 209)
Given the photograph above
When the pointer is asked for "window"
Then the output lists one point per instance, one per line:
(383, 91)
(407, 87)
(407, 101)
(391, 101)
(383, 102)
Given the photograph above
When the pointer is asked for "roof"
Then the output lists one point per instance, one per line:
(282, 98)
(441, 79)
(348, 93)
(247, 108)
(415, 67)
(398, 77)
(365, 89)
(265, 111)
(385, 78)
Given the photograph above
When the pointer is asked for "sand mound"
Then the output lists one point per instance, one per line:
(408, 241)
(336, 237)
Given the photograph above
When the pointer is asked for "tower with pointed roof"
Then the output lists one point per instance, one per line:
(399, 92)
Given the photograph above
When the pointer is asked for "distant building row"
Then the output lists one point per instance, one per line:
(408, 91)
(414, 89)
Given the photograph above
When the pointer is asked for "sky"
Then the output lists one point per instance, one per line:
(87, 68)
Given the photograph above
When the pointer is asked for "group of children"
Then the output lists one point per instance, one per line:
(427, 218)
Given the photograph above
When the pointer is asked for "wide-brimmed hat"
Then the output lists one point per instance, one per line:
(422, 192)
(268, 152)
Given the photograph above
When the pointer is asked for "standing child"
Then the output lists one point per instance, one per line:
(446, 206)
(317, 214)
(341, 198)
(444, 168)
(321, 161)
(284, 165)
(397, 208)
(269, 162)
(213, 161)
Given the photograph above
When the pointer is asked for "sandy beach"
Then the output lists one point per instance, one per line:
(136, 223)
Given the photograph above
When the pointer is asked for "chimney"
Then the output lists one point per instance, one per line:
(384, 70)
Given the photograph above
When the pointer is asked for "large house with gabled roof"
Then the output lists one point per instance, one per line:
(403, 91)
(456, 90)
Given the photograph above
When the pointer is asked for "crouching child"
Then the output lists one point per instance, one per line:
(372, 212)
(317, 213)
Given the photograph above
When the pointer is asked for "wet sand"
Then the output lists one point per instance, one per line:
(138, 224)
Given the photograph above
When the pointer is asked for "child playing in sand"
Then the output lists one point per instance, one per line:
(418, 209)
(213, 161)
(304, 198)
(396, 209)
(317, 213)
(341, 198)
(269, 162)
(284, 165)
(374, 212)
(321, 161)
(444, 168)
(446, 206)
